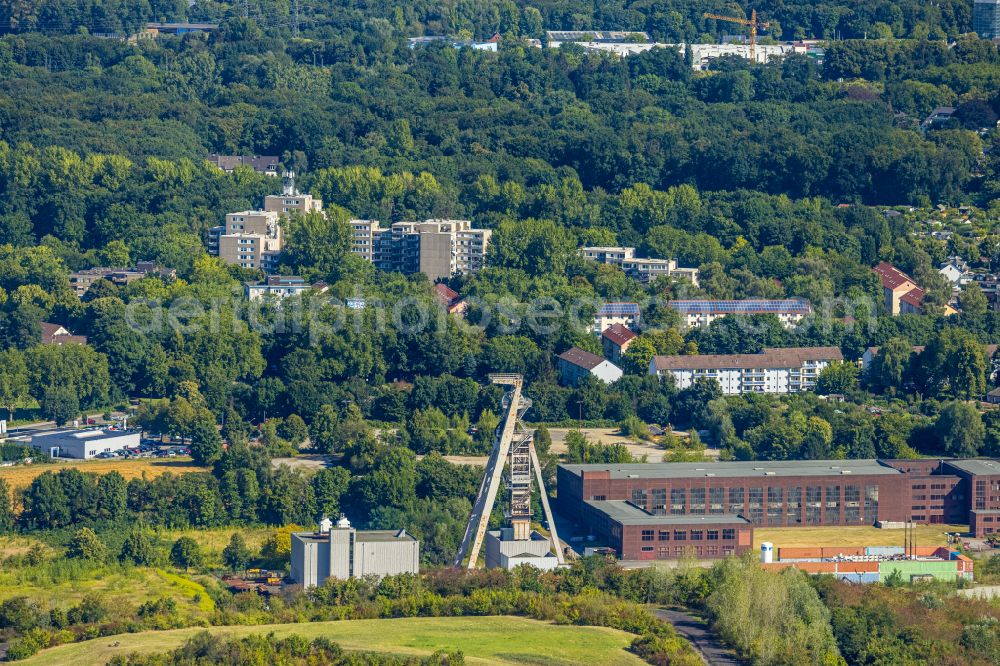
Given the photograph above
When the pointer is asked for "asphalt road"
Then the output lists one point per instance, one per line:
(696, 632)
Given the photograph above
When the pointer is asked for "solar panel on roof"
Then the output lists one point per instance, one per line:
(619, 309)
(748, 306)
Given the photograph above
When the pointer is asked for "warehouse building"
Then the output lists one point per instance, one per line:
(340, 551)
(637, 534)
(84, 444)
(806, 493)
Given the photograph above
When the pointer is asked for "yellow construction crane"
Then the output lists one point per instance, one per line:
(752, 22)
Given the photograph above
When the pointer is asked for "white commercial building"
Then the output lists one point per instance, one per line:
(788, 370)
(340, 551)
(84, 444)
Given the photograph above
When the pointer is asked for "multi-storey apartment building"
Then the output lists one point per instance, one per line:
(253, 238)
(436, 248)
(250, 238)
(787, 370)
(790, 311)
(641, 269)
(81, 281)
(291, 200)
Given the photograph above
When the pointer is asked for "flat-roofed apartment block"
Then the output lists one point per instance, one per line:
(437, 248)
(788, 370)
(789, 311)
(291, 200)
(250, 238)
(641, 269)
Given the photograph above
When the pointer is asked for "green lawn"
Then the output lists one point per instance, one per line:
(484, 640)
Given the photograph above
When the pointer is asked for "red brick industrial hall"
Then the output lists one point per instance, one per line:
(662, 510)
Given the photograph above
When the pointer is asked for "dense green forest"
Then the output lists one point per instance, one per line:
(771, 179)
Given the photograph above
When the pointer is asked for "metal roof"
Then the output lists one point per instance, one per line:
(627, 513)
(983, 467)
(735, 469)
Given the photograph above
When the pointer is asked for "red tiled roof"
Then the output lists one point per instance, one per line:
(446, 294)
(769, 358)
(891, 276)
(913, 297)
(581, 358)
(618, 335)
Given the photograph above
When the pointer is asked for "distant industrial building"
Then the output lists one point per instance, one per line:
(505, 552)
(83, 444)
(439, 249)
(265, 164)
(789, 311)
(702, 55)
(986, 18)
(876, 564)
(887, 493)
(637, 534)
(785, 370)
(575, 364)
(342, 552)
(490, 44)
(644, 270)
(556, 38)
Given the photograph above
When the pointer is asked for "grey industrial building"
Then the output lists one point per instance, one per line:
(84, 444)
(505, 552)
(340, 551)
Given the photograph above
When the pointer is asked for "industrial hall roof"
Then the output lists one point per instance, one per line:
(626, 513)
(769, 358)
(977, 466)
(737, 469)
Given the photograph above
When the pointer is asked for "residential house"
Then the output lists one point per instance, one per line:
(575, 364)
(275, 287)
(641, 269)
(265, 164)
(956, 271)
(695, 313)
(450, 299)
(56, 334)
(609, 314)
(900, 291)
(787, 370)
(616, 339)
(938, 117)
(81, 281)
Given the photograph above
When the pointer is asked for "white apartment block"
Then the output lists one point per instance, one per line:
(641, 269)
(788, 370)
